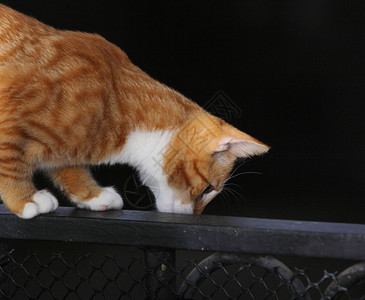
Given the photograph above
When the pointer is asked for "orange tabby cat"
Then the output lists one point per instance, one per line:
(71, 99)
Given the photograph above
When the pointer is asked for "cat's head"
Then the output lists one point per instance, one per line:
(199, 159)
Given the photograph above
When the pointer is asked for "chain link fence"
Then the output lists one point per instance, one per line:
(54, 270)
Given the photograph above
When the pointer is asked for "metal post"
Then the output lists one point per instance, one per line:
(160, 281)
(3, 262)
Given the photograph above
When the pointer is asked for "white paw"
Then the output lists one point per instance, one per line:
(30, 210)
(43, 202)
(108, 199)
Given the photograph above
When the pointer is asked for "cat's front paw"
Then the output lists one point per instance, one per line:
(43, 202)
(108, 199)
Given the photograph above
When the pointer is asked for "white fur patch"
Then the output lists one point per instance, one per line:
(108, 199)
(180, 208)
(43, 202)
(144, 150)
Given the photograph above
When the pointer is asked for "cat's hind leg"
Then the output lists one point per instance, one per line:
(82, 189)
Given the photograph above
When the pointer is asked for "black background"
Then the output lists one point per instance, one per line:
(296, 69)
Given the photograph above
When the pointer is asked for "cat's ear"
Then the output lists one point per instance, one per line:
(240, 144)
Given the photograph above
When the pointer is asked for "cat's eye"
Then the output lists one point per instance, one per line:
(208, 189)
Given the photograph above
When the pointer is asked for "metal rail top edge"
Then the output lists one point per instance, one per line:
(174, 231)
(63, 214)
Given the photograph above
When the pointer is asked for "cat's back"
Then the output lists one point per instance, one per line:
(20, 39)
(31, 51)
(29, 41)
(10, 19)
(15, 26)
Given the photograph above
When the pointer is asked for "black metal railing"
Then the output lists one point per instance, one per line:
(77, 254)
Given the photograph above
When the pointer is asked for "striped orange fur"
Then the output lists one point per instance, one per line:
(71, 99)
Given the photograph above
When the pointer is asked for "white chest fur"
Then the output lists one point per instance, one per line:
(144, 150)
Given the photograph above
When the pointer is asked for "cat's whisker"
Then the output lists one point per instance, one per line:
(245, 173)
(240, 165)
(233, 184)
(225, 195)
(226, 200)
(233, 193)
